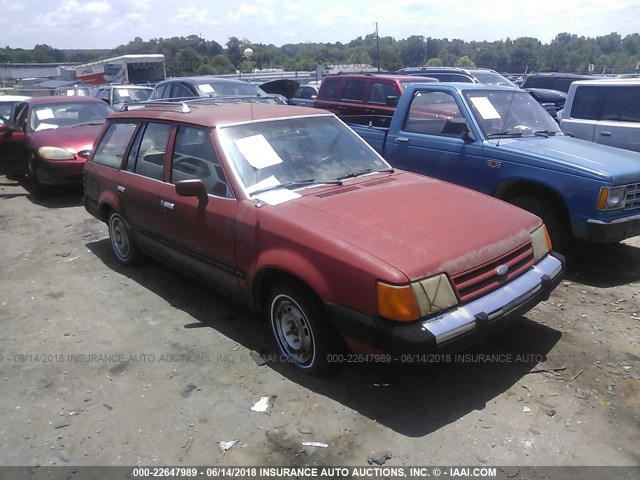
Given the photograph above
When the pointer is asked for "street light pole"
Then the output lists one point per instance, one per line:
(378, 45)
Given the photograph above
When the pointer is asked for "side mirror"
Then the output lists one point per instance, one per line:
(391, 101)
(193, 188)
(457, 127)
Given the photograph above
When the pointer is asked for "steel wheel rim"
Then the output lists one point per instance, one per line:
(120, 238)
(293, 330)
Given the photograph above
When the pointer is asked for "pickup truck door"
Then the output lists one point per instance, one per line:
(423, 141)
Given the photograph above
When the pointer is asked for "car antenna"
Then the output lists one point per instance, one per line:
(506, 117)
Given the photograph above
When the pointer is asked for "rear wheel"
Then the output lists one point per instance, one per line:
(123, 245)
(299, 328)
(551, 214)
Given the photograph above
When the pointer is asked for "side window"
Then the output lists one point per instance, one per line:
(621, 104)
(587, 102)
(307, 93)
(429, 112)
(20, 115)
(380, 91)
(195, 158)
(149, 160)
(159, 93)
(179, 91)
(354, 90)
(330, 88)
(113, 145)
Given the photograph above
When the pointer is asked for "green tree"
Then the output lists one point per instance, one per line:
(465, 62)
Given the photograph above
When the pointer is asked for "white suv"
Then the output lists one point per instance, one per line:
(604, 111)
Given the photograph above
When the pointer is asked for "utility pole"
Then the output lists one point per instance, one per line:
(378, 45)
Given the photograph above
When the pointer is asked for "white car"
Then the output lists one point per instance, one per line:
(604, 111)
(7, 105)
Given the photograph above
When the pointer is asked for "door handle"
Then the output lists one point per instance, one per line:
(403, 139)
(605, 133)
(167, 205)
(120, 188)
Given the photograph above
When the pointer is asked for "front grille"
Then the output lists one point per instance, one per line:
(477, 281)
(632, 196)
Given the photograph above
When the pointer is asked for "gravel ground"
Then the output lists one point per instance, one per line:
(105, 365)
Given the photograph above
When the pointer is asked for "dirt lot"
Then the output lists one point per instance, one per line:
(103, 365)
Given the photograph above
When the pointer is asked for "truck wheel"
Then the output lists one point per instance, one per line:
(298, 326)
(551, 215)
(122, 243)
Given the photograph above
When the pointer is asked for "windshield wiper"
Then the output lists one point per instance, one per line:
(363, 172)
(297, 183)
(545, 133)
(504, 134)
(95, 122)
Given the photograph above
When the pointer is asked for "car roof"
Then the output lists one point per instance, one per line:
(62, 99)
(606, 81)
(215, 114)
(384, 76)
(203, 79)
(477, 86)
(13, 98)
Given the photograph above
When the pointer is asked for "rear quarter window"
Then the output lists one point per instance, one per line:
(330, 88)
(354, 90)
(113, 145)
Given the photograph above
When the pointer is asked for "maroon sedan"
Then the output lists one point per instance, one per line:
(49, 138)
(288, 210)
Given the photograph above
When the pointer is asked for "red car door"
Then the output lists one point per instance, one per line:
(203, 236)
(13, 144)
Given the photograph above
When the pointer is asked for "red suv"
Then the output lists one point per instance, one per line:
(363, 93)
(290, 211)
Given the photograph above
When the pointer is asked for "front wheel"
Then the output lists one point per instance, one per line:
(298, 326)
(122, 243)
(552, 215)
(37, 189)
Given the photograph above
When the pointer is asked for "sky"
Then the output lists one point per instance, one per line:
(77, 24)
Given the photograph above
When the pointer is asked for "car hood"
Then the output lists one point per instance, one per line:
(73, 139)
(418, 225)
(572, 155)
(547, 95)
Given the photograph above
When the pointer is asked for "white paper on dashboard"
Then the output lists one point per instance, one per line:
(71, 92)
(205, 88)
(276, 197)
(124, 92)
(271, 181)
(258, 152)
(485, 108)
(44, 114)
(46, 126)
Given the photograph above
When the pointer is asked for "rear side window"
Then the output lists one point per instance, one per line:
(179, 91)
(149, 158)
(330, 88)
(621, 104)
(587, 102)
(354, 90)
(114, 143)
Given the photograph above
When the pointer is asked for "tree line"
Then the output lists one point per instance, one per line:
(193, 55)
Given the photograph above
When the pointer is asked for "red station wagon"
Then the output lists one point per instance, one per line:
(287, 209)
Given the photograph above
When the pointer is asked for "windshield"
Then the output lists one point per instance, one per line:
(68, 114)
(309, 149)
(230, 89)
(129, 95)
(510, 113)
(492, 78)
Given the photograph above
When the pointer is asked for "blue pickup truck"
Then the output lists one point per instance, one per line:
(500, 141)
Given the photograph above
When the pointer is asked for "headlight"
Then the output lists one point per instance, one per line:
(541, 242)
(406, 303)
(611, 198)
(55, 153)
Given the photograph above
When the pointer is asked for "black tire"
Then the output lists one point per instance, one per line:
(553, 217)
(122, 243)
(38, 190)
(299, 328)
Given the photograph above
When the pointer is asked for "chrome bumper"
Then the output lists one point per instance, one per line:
(496, 304)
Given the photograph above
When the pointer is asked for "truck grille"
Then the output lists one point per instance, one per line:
(632, 196)
(480, 280)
